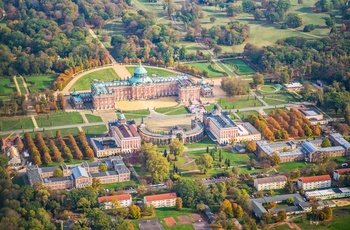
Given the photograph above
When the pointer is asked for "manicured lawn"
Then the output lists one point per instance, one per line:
(21, 86)
(15, 123)
(104, 75)
(152, 71)
(289, 166)
(244, 114)
(209, 108)
(240, 66)
(206, 66)
(59, 119)
(239, 102)
(72, 162)
(7, 86)
(95, 130)
(267, 88)
(271, 101)
(201, 144)
(173, 110)
(136, 114)
(92, 118)
(118, 185)
(40, 82)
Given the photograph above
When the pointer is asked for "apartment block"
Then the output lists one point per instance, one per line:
(117, 201)
(268, 183)
(161, 200)
(314, 182)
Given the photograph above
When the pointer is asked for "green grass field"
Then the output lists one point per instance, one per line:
(202, 144)
(118, 185)
(21, 86)
(206, 66)
(59, 119)
(239, 102)
(244, 114)
(73, 162)
(15, 123)
(173, 111)
(152, 71)
(52, 132)
(40, 82)
(289, 166)
(136, 114)
(92, 118)
(267, 88)
(104, 75)
(240, 66)
(95, 130)
(7, 86)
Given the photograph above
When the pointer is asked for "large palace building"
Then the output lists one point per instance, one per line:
(140, 86)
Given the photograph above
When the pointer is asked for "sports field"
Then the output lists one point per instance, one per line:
(104, 75)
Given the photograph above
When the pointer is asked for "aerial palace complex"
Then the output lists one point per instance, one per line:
(140, 86)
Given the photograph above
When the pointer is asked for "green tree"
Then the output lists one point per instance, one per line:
(102, 167)
(274, 159)
(134, 212)
(293, 20)
(290, 200)
(148, 210)
(326, 143)
(178, 204)
(83, 205)
(58, 172)
(188, 190)
(258, 78)
(176, 147)
(204, 162)
(347, 114)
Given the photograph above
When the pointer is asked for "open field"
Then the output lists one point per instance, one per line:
(290, 166)
(152, 71)
(201, 144)
(95, 130)
(244, 114)
(40, 82)
(206, 66)
(136, 114)
(239, 102)
(173, 111)
(58, 119)
(146, 104)
(104, 75)
(7, 86)
(167, 124)
(118, 185)
(240, 66)
(92, 118)
(20, 85)
(72, 162)
(15, 123)
(267, 88)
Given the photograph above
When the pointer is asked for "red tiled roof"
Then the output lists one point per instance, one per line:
(165, 196)
(126, 131)
(340, 171)
(116, 197)
(315, 178)
(133, 131)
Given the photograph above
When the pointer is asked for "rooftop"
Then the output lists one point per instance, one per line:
(115, 197)
(165, 196)
(266, 180)
(78, 172)
(340, 171)
(340, 139)
(311, 179)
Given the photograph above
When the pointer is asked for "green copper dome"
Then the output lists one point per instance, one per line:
(121, 116)
(140, 76)
(140, 70)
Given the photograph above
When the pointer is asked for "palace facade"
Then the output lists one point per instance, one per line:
(140, 87)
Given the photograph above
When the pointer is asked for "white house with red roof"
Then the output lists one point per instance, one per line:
(116, 201)
(161, 200)
(314, 182)
(337, 173)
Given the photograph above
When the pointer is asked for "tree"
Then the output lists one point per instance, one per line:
(326, 143)
(294, 20)
(134, 212)
(46, 159)
(290, 200)
(234, 86)
(237, 210)
(141, 189)
(347, 114)
(188, 190)
(148, 210)
(212, 19)
(204, 162)
(258, 15)
(258, 78)
(226, 207)
(274, 159)
(281, 215)
(251, 146)
(176, 147)
(58, 172)
(217, 50)
(83, 205)
(178, 204)
(102, 167)
(235, 170)
(96, 183)
(329, 21)
(328, 213)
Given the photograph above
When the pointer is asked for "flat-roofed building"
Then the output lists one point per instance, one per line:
(268, 183)
(314, 116)
(327, 194)
(161, 200)
(338, 172)
(247, 132)
(105, 146)
(219, 126)
(116, 201)
(314, 182)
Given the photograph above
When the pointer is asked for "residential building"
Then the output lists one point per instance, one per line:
(268, 183)
(338, 172)
(140, 86)
(161, 200)
(327, 194)
(79, 176)
(314, 182)
(299, 205)
(116, 201)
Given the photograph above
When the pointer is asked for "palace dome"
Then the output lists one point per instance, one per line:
(140, 76)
